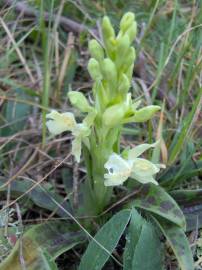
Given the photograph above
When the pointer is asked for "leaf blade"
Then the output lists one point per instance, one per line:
(155, 199)
(178, 242)
(142, 239)
(108, 237)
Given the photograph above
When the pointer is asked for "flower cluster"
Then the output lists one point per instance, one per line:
(111, 67)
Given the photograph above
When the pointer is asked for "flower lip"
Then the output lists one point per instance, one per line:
(118, 169)
(144, 167)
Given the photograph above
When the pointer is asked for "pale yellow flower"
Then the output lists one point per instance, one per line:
(60, 122)
(140, 169)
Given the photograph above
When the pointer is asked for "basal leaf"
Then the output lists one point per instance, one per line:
(33, 257)
(178, 242)
(42, 244)
(40, 195)
(155, 199)
(191, 202)
(142, 239)
(16, 114)
(55, 237)
(108, 236)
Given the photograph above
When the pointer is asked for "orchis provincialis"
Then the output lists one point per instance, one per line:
(60, 122)
(140, 169)
(111, 68)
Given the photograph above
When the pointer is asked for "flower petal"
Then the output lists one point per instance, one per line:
(143, 171)
(138, 150)
(111, 182)
(119, 170)
(76, 148)
(60, 122)
(144, 180)
(144, 167)
(81, 130)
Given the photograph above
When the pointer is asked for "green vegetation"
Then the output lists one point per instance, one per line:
(102, 207)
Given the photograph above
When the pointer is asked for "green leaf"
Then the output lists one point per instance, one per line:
(34, 257)
(42, 244)
(193, 215)
(55, 237)
(108, 237)
(142, 239)
(16, 114)
(156, 200)
(178, 242)
(40, 195)
(191, 201)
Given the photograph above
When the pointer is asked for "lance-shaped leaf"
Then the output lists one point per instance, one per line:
(156, 200)
(178, 242)
(40, 196)
(32, 256)
(41, 245)
(191, 201)
(108, 236)
(142, 239)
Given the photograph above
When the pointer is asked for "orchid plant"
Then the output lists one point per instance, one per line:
(111, 67)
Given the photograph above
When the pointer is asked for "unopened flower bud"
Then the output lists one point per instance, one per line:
(107, 29)
(79, 101)
(127, 21)
(123, 44)
(130, 57)
(132, 31)
(124, 84)
(122, 47)
(94, 69)
(96, 50)
(145, 113)
(114, 115)
(129, 72)
(109, 71)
